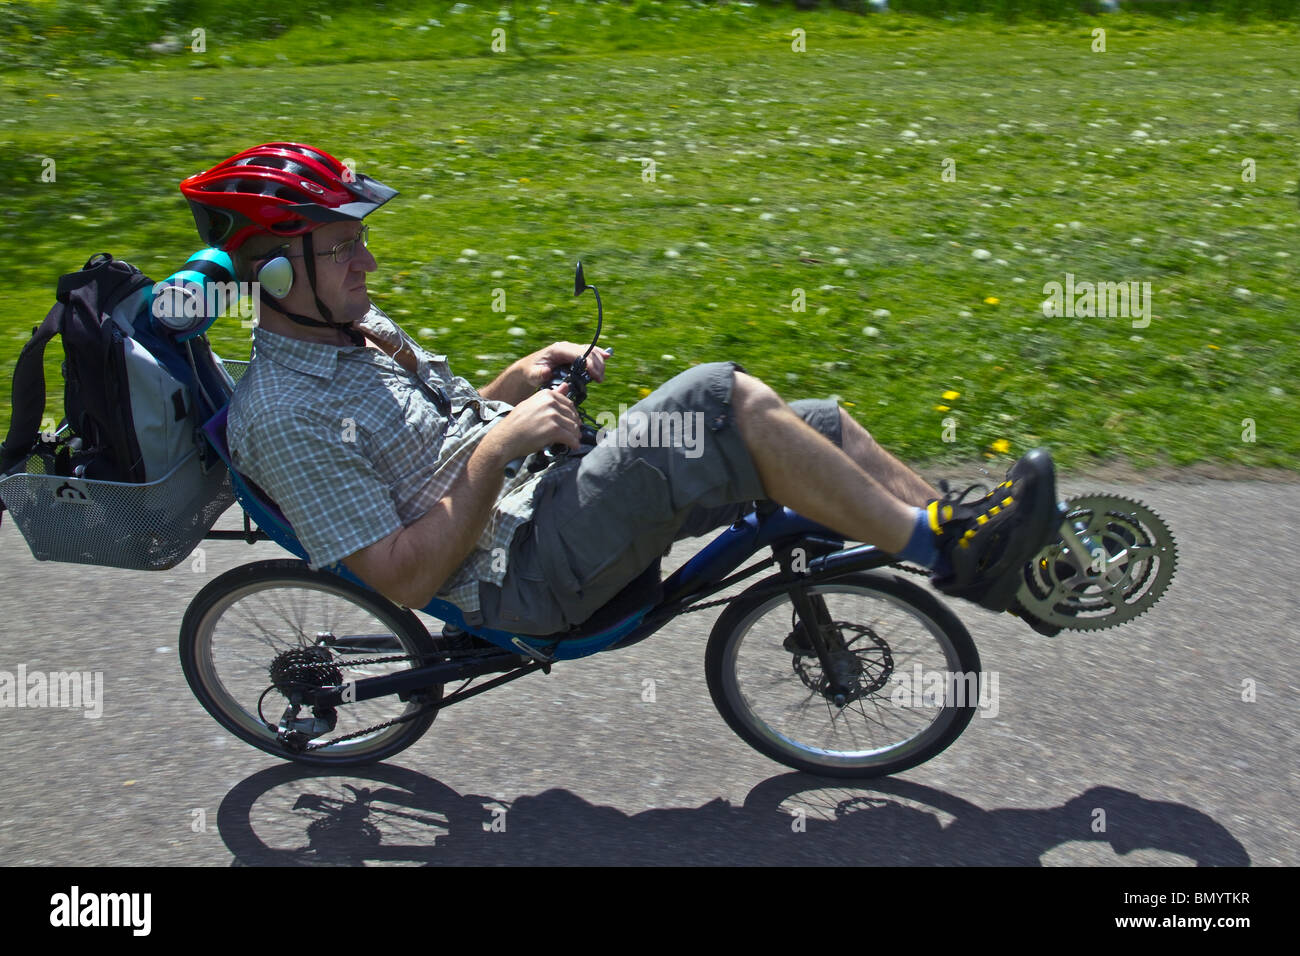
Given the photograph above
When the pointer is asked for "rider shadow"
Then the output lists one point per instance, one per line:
(390, 815)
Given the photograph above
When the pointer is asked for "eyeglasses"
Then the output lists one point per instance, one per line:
(345, 250)
(342, 252)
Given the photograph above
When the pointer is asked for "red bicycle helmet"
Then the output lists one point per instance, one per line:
(286, 189)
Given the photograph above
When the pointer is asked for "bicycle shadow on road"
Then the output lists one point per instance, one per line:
(286, 816)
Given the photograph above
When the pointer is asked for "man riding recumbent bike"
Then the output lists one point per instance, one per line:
(311, 662)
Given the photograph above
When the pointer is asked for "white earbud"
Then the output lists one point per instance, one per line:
(276, 277)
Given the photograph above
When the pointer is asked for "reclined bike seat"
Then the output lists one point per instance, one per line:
(643, 591)
(263, 509)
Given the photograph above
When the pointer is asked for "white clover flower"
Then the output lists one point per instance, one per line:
(871, 331)
(671, 253)
(880, 314)
(982, 254)
(468, 252)
(1241, 293)
(516, 331)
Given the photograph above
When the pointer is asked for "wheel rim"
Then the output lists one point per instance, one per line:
(247, 627)
(883, 726)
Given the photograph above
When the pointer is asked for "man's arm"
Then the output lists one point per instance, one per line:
(411, 564)
(531, 372)
(511, 386)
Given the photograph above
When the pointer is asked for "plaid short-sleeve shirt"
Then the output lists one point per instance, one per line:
(352, 447)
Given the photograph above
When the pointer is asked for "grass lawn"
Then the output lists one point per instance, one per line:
(920, 182)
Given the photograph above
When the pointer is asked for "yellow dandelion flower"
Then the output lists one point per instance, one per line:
(942, 408)
(1215, 347)
(1001, 446)
(992, 300)
(850, 404)
(524, 179)
(643, 391)
(949, 395)
(461, 141)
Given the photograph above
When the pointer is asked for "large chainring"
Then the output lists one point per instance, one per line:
(1132, 558)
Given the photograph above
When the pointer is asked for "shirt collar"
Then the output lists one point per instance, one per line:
(320, 360)
(311, 358)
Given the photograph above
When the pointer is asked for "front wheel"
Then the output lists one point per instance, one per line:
(905, 679)
(262, 630)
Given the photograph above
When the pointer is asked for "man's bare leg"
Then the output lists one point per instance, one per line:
(804, 470)
(893, 475)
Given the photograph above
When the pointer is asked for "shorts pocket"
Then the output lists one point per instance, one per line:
(592, 551)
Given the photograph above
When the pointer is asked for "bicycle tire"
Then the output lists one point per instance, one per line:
(904, 607)
(210, 631)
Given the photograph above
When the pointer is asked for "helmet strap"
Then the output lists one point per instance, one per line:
(310, 260)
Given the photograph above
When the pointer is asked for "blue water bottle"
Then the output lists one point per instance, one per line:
(188, 301)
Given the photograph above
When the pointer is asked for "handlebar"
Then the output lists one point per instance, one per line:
(576, 377)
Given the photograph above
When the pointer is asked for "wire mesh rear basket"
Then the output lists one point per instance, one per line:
(145, 527)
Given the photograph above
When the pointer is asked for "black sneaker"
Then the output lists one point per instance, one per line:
(986, 543)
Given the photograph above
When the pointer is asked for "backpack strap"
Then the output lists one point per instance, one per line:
(29, 391)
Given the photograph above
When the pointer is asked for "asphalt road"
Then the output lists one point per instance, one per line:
(1145, 723)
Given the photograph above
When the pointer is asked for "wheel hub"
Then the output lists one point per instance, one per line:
(861, 662)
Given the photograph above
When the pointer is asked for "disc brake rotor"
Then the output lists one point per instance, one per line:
(865, 663)
(1130, 560)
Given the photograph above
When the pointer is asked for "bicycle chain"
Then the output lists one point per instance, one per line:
(396, 720)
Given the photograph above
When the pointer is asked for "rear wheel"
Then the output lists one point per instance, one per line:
(308, 628)
(904, 683)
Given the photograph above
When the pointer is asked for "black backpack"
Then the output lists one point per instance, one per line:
(134, 396)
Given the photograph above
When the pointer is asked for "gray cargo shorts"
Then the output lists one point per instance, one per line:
(675, 467)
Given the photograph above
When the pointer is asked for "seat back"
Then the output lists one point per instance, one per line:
(252, 498)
